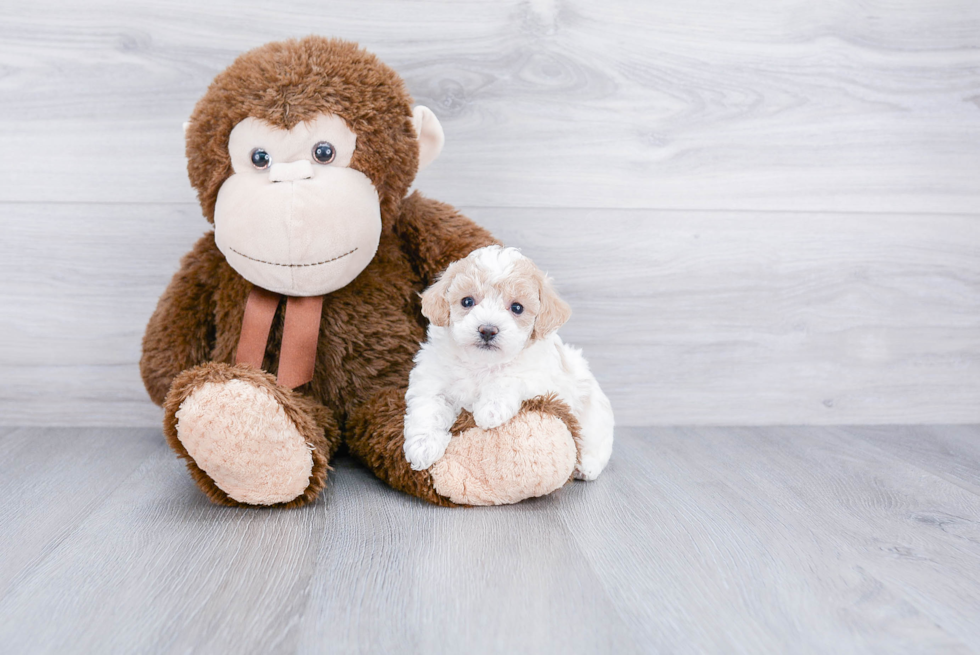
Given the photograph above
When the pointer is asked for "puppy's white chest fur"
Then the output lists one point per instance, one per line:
(537, 370)
(492, 345)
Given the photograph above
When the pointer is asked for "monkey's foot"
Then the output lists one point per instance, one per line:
(531, 455)
(247, 440)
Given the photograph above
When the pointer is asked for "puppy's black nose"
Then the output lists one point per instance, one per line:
(488, 332)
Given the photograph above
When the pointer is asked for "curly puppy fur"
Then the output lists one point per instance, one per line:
(371, 328)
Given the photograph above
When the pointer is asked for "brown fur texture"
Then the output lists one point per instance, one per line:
(289, 82)
(542, 404)
(377, 438)
(369, 331)
(371, 328)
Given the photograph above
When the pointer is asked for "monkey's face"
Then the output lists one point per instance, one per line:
(294, 217)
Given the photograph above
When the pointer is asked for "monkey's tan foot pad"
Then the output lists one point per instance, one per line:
(238, 433)
(531, 455)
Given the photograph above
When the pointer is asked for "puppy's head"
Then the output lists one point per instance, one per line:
(494, 302)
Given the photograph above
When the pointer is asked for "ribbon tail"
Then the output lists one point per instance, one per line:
(260, 309)
(300, 336)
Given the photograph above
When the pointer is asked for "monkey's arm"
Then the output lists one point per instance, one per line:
(180, 333)
(438, 235)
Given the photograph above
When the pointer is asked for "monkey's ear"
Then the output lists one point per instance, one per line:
(554, 311)
(430, 135)
(435, 304)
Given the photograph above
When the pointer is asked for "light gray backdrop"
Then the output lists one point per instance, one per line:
(761, 212)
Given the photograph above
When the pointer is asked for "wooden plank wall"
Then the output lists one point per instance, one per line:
(761, 212)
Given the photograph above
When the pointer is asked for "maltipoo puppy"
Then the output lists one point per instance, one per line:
(492, 344)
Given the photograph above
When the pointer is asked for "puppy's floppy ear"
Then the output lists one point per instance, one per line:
(435, 304)
(554, 311)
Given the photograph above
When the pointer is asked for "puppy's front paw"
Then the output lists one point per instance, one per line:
(494, 412)
(588, 468)
(422, 450)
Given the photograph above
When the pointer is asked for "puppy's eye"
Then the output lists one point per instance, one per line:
(467, 302)
(260, 159)
(324, 152)
(517, 308)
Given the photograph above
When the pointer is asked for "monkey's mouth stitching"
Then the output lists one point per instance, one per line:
(262, 261)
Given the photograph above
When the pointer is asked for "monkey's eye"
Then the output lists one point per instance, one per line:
(260, 159)
(467, 302)
(517, 308)
(324, 153)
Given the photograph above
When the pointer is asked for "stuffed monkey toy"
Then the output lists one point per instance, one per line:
(289, 330)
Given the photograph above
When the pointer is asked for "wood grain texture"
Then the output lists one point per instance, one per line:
(700, 540)
(762, 212)
(686, 317)
(950, 452)
(394, 576)
(843, 106)
(758, 528)
(773, 318)
(51, 481)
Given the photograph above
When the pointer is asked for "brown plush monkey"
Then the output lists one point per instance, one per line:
(302, 153)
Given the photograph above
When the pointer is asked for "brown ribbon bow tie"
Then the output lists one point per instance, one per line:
(300, 334)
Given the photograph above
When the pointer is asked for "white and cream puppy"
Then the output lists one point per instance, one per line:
(492, 344)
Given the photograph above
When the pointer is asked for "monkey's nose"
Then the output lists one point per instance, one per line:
(488, 332)
(297, 170)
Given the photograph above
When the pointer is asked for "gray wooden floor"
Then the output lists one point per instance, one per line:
(708, 539)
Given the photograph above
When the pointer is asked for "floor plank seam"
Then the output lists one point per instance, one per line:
(86, 513)
(937, 474)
